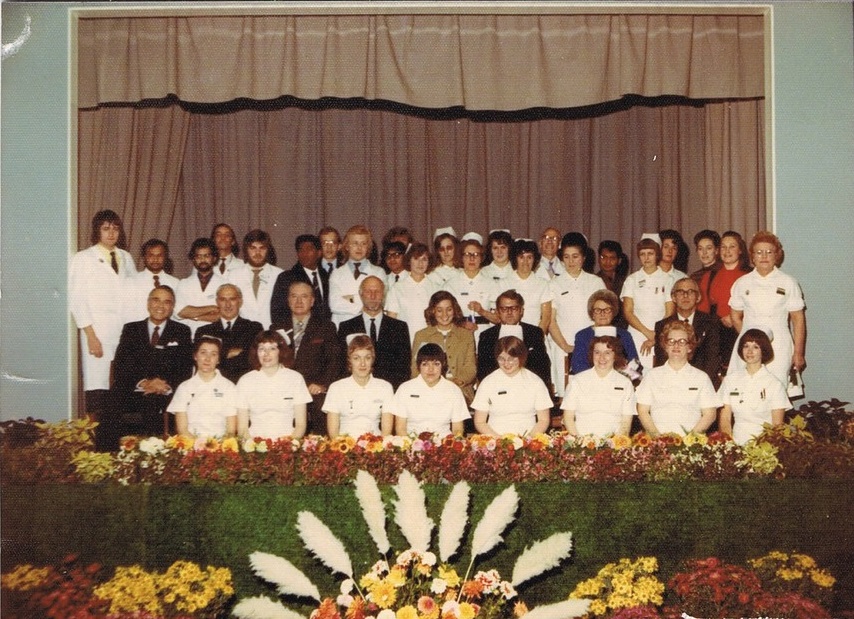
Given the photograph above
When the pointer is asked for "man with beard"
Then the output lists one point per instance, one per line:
(196, 294)
(257, 276)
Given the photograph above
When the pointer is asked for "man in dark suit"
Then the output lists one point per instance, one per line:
(686, 295)
(235, 332)
(317, 351)
(390, 336)
(511, 307)
(306, 270)
(153, 357)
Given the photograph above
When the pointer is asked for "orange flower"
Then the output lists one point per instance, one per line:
(129, 443)
(327, 610)
(621, 441)
(642, 439)
(472, 589)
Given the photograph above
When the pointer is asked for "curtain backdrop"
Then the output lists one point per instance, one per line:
(172, 173)
(480, 62)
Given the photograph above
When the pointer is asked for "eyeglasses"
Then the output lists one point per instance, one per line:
(603, 310)
(680, 293)
(551, 238)
(764, 252)
(673, 342)
(509, 308)
(471, 254)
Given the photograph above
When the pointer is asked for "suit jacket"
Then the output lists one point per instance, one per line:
(242, 333)
(393, 350)
(279, 310)
(136, 359)
(707, 353)
(538, 359)
(319, 358)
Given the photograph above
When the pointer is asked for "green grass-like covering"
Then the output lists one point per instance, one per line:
(221, 525)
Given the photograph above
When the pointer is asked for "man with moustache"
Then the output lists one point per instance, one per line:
(235, 332)
(227, 250)
(257, 276)
(196, 294)
(155, 259)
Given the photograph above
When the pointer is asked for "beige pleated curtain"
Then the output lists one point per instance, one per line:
(613, 171)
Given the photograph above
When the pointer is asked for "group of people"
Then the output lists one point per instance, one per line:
(467, 335)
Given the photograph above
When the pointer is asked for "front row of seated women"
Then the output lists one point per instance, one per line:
(271, 401)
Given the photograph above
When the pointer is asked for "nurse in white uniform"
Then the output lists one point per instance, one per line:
(206, 404)
(768, 299)
(446, 255)
(97, 279)
(359, 404)
(272, 399)
(511, 400)
(646, 298)
(429, 402)
(677, 397)
(408, 299)
(600, 401)
(753, 397)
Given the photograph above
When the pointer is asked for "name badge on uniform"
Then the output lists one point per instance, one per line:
(642, 283)
(217, 393)
(288, 397)
(502, 393)
(781, 291)
(618, 389)
(464, 294)
(564, 292)
(414, 395)
(693, 388)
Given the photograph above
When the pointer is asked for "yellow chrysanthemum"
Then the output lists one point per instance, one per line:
(396, 577)
(24, 578)
(449, 575)
(822, 578)
(597, 607)
(383, 594)
(467, 611)
(407, 612)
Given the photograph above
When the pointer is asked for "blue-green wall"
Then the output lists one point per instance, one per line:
(814, 169)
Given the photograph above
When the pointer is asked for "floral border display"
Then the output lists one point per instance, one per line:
(62, 453)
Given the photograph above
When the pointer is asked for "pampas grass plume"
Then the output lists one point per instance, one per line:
(453, 522)
(560, 610)
(373, 510)
(284, 574)
(323, 544)
(263, 608)
(497, 517)
(411, 512)
(541, 556)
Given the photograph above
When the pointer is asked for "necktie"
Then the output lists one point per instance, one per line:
(114, 261)
(155, 336)
(551, 268)
(222, 265)
(396, 278)
(299, 331)
(256, 281)
(156, 281)
(685, 320)
(373, 330)
(329, 268)
(228, 327)
(356, 271)
(315, 284)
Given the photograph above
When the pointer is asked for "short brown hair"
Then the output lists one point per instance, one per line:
(286, 355)
(513, 346)
(761, 338)
(614, 344)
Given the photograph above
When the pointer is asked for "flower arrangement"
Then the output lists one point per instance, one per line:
(797, 573)
(625, 584)
(62, 453)
(68, 590)
(775, 585)
(418, 584)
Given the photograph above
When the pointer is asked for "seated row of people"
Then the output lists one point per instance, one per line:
(271, 401)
